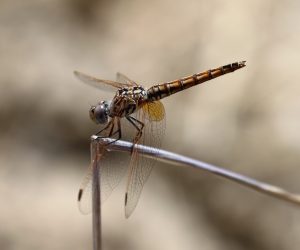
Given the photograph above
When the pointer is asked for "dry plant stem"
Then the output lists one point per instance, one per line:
(166, 156)
(96, 200)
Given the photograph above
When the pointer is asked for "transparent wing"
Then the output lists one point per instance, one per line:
(105, 85)
(113, 166)
(140, 167)
(124, 79)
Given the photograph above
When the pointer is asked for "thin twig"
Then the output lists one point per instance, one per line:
(166, 156)
(96, 153)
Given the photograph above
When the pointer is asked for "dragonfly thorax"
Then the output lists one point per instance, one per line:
(127, 101)
(100, 112)
(136, 92)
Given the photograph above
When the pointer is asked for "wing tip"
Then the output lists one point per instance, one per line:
(127, 213)
(79, 194)
(126, 198)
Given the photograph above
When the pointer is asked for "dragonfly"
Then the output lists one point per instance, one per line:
(140, 111)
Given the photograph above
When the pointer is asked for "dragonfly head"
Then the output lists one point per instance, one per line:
(99, 113)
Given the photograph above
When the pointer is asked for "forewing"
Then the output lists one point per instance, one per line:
(124, 79)
(105, 85)
(140, 167)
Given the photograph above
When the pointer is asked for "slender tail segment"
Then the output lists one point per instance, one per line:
(163, 90)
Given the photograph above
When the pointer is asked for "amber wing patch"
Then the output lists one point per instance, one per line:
(154, 111)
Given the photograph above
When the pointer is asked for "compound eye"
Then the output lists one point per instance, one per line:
(100, 114)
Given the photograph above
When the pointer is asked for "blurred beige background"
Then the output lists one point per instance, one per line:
(247, 121)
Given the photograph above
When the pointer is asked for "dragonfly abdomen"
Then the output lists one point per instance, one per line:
(160, 91)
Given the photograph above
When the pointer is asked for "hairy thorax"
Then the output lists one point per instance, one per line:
(127, 101)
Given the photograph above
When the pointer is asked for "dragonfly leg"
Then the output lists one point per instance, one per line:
(111, 123)
(111, 130)
(139, 133)
(138, 121)
(110, 127)
(118, 131)
(134, 122)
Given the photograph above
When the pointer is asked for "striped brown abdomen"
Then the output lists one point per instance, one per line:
(163, 90)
